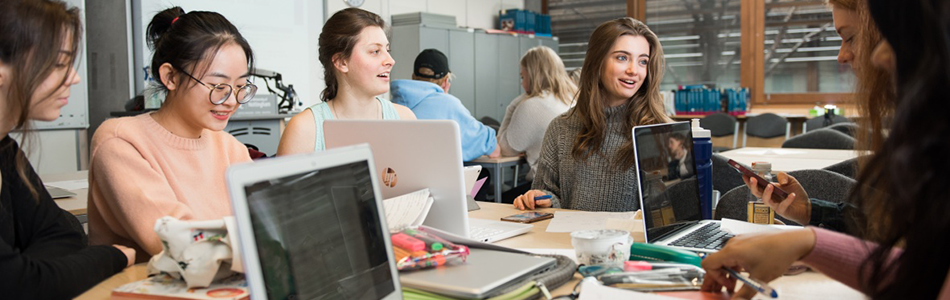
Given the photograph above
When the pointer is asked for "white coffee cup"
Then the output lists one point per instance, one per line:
(600, 246)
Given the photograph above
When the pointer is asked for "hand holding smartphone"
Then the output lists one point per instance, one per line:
(528, 217)
(761, 182)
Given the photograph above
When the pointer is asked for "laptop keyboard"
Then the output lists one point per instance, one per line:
(483, 233)
(707, 237)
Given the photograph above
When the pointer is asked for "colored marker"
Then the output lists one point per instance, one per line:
(409, 243)
(432, 244)
(759, 286)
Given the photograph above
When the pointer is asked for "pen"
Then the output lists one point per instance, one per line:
(759, 286)
(543, 197)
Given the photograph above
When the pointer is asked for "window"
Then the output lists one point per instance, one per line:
(573, 21)
(801, 49)
(701, 40)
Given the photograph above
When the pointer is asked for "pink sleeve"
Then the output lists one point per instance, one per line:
(134, 193)
(840, 256)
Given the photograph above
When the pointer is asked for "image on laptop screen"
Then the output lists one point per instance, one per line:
(319, 235)
(667, 177)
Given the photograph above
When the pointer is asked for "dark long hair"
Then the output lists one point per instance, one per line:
(184, 40)
(32, 34)
(339, 36)
(646, 106)
(908, 201)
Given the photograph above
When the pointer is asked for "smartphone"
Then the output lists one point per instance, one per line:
(761, 182)
(528, 217)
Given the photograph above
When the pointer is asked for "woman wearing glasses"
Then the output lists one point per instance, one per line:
(172, 162)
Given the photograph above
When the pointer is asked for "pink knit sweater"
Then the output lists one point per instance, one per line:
(139, 172)
(840, 257)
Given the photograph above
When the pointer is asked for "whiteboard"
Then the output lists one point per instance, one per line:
(282, 33)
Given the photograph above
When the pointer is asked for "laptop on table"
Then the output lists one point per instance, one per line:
(421, 154)
(669, 195)
(312, 227)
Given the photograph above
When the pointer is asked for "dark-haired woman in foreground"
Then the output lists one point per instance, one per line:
(42, 251)
(172, 162)
(902, 188)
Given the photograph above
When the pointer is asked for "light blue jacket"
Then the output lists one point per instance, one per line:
(429, 102)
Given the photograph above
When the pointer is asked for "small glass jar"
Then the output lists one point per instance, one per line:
(758, 211)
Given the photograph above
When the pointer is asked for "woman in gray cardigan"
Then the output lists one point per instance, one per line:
(587, 160)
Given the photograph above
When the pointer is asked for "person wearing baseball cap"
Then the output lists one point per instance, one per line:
(427, 95)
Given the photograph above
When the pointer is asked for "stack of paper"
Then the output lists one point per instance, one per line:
(408, 210)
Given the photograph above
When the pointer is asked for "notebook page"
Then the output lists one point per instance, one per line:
(404, 211)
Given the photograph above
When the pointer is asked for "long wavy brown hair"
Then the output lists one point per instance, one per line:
(32, 36)
(873, 95)
(646, 106)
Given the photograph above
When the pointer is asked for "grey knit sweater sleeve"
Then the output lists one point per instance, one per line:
(592, 184)
(546, 176)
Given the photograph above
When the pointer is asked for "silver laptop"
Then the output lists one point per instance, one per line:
(58, 193)
(669, 196)
(312, 227)
(484, 272)
(422, 154)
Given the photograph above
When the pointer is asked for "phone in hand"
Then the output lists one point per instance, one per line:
(761, 182)
(528, 217)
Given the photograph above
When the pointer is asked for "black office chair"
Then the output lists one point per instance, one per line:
(849, 128)
(724, 177)
(847, 168)
(490, 122)
(767, 125)
(819, 184)
(823, 121)
(719, 125)
(821, 139)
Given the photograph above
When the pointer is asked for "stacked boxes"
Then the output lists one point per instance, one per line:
(524, 21)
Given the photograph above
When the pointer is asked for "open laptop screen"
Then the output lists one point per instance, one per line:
(669, 191)
(319, 235)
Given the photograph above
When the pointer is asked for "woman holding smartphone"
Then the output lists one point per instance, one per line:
(902, 252)
(875, 99)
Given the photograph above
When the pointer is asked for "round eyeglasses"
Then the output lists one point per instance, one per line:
(220, 92)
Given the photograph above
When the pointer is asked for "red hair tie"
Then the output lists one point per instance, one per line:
(173, 21)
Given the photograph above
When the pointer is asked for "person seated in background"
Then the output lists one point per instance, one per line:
(575, 75)
(901, 253)
(427, 95)
(679, 157)
(172, 162)
(43, 254)
(549, 92)
(354, 52)
(875, 99)
(587, 160)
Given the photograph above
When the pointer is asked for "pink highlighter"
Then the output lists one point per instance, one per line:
(407, 242)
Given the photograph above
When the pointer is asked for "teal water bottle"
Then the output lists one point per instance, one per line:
(702, 153)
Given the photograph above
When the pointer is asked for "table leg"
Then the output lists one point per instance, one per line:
(514, 181)
(498, 183)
